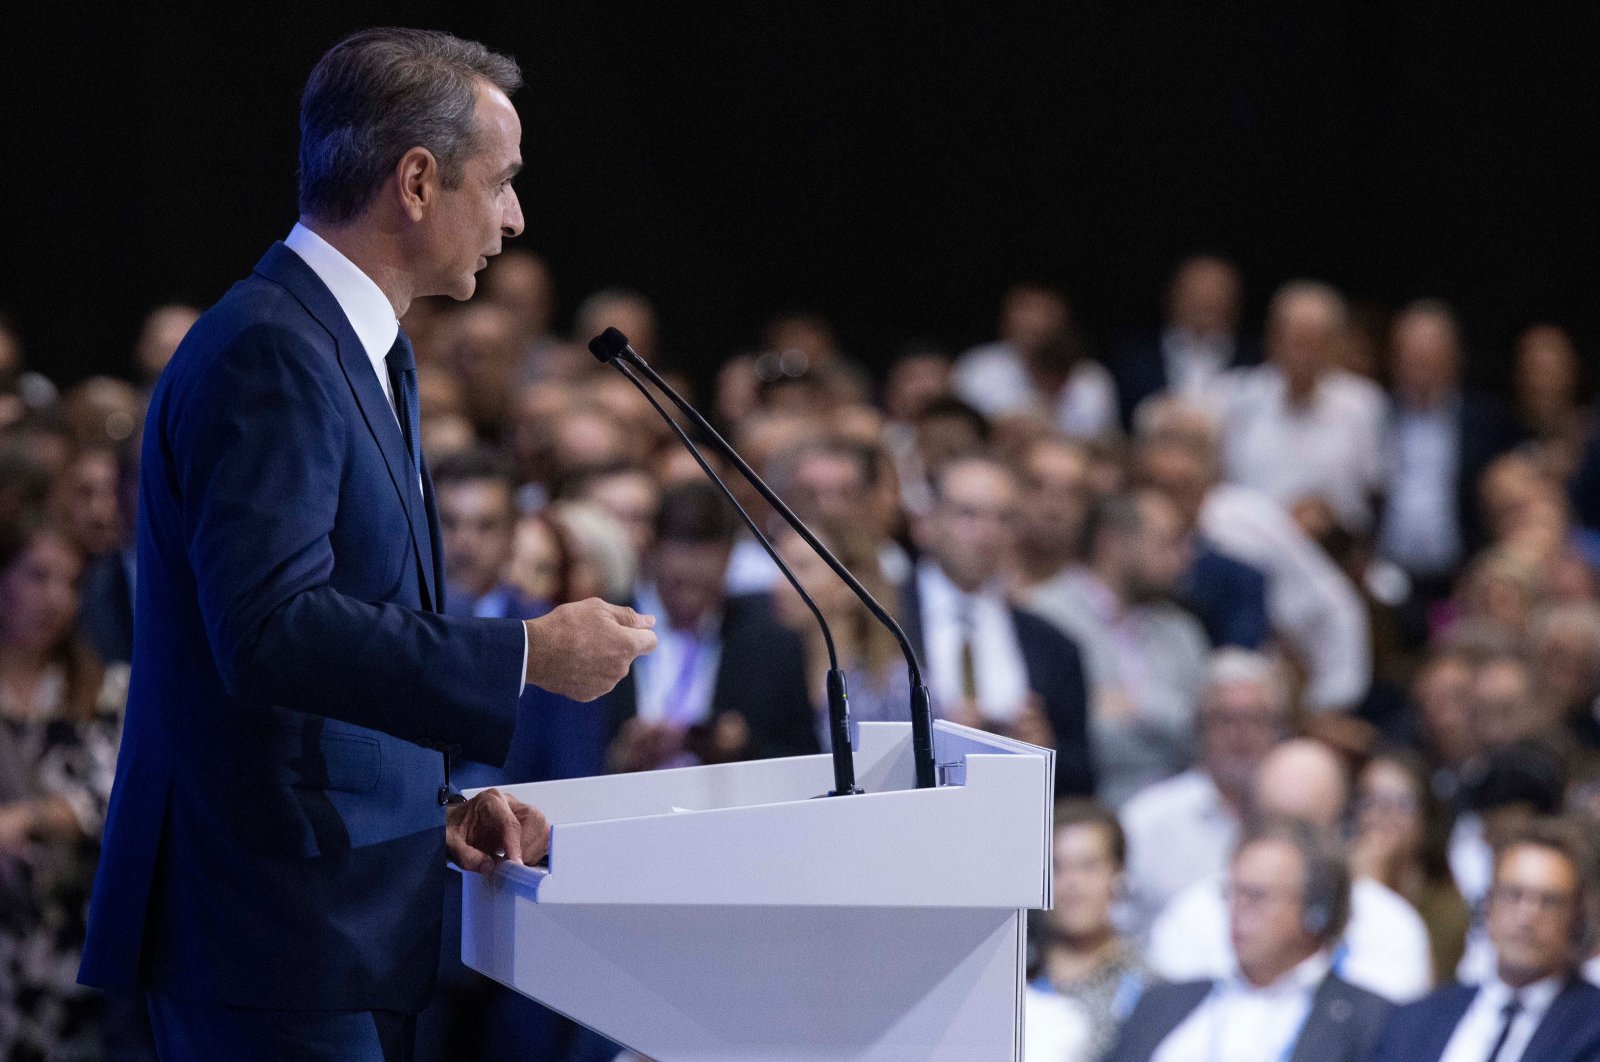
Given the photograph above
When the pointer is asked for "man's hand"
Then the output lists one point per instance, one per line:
(643, 746)
(581, 650)
(492, 828)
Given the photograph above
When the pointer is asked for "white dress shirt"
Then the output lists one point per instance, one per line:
(1479, 1027)
(949, 617)
(1331, 446)
(993, 379)
(1309, 600)
(1385, 947)
(1240, 1022)
(1055, 1028)
(1180, 831)
(1421, 530)
(1194, 362)
(371, 317)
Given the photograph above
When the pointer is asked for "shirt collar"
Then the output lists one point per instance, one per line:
(1536, 998)
(1304, 977)
(943, 598)
(365, 306)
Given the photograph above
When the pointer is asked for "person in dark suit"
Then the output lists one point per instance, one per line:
(1199, 341)
(729, 680)
(108, 582)
(1537, 1007)
(274, 857)
(989, 664)
(1289, 900)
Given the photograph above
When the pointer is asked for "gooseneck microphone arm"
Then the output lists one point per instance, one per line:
(844, 768)
(612, 346)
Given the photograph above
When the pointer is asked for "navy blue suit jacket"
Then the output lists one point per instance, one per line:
(1569, 1032)
(1228, 595)
(1055, 673)
(274, 837)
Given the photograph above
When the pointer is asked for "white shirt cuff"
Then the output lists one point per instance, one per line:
(522, 680)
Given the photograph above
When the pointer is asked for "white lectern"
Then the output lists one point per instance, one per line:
(726, 913)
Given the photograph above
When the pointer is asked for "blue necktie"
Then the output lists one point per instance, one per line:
(402, 362)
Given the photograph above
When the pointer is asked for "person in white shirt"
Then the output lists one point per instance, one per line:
(1385, 949)
(1310, 602)
(1536, 1007)
(1300, 426)
(1181, 830)
(1288, 898)
(993, 377)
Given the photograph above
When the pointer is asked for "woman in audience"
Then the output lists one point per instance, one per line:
(1547, 381)
(1402, 840)
(868, 654)
(1081, 954)
(60, 716)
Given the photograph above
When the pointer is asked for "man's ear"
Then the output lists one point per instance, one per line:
(417, 177)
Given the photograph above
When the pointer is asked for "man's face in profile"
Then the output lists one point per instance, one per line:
(465, 229)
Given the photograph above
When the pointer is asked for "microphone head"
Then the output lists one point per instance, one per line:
(608, 345)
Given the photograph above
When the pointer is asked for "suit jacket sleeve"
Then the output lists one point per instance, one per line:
(259, 446)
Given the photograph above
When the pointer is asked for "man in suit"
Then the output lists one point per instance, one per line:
(1198, 343)
(1288, 900)
(275, 848)
(990, 664)
(729, 680)
(1536, 1007)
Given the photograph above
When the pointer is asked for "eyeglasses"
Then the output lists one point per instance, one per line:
(1544, 900)
(1254, 897)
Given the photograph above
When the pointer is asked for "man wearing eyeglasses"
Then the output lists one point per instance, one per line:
(1536, 1008)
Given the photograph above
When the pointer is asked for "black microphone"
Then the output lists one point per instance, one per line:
(844, 767)
(612, 347)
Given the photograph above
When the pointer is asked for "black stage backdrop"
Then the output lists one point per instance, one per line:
(891, 165)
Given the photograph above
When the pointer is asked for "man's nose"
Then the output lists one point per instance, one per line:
(511, 224)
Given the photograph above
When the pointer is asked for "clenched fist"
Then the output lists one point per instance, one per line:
(582, 650)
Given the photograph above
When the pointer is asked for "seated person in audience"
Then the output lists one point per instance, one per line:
(1081, 954)
(1312, 606)
(1288, 898)
(875, 669)
(1564, 646)
(60, 721)
(988, 663)
(1053, 504)
(1181, 830)
(1199, 341)
(727, 680)
(994, 376)
(1535, 1007)
(1145, 657)
(1402, 839)
(1441, 694)
(1228, 595)
(477, 513)
(627, 493)
(1385, 948)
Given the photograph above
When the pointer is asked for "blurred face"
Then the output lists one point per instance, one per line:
(1425, 352)
(1086, 881)
(1031, 318)
(829, 487)
(1205, 298)
(1266, 908)
(631, 499)
(1533, 909)
(689, 579)
(1388, 806)
(825, 588)
(87, 501)
(39, 595)
(457, 230)
(1504, 708)
(970, 528)
(163, 330)
(634, 318)
(483, 354)
(1055, 499)
(1160, 549)
(913, 383)
(476, 519)
(1546, 369)
(534, 567)
(1568, 666)
(1180, 475)
(1444, 693)
(1303, 337)
(1239, 725)
(521, 283)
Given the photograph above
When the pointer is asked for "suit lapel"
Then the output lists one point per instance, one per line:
(1556, 1023)
(283, 266)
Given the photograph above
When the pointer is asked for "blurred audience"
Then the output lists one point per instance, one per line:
(1288, 898)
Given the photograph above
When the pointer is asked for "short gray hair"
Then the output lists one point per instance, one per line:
(379, 93)
(1231, 664)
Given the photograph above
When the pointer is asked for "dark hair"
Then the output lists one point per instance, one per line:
(577, 482)
(1115, 513)
(937, 476)
(381, 92)
(1080, 811)
(782, 469)
(83, 669)
(1524, 772)
(954, 408)
(1437, 819)
(1326, 902)
(695, 513)
(477, 463)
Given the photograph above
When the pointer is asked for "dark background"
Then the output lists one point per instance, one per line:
(892, 165)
